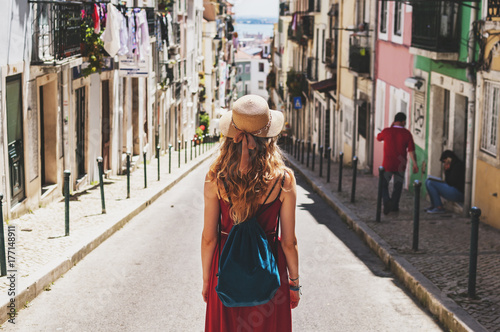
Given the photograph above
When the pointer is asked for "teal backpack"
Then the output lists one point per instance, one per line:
(248, 271)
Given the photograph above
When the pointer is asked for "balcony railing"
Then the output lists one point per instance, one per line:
(436, 26)
(56, 30)
(493, 10)
(312, 69)
(359, 54)
(285, 8)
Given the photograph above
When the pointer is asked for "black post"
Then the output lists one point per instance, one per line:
(145, 169)
(381, 172)
(416, 214)
(185, 151)
(199, 147)
(128, 174)
(474, 237)
(295, 150)
(302, 158)
(158, 156)
(2, 241)
(66, 202)
(101, 182)
(313, 156)
(179, 152)
(191, 146)
(320, 161)
(341, 168)
(329, 156)
(308, 153)
(354, 174)
(169, 158)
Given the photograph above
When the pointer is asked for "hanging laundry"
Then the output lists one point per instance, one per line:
(142, 32)
(123, 36)
(170, 30)
(132, 38)
(96, 19)
(111, 35)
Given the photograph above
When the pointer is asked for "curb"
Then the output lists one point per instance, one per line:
(56, 268)
(452, 316)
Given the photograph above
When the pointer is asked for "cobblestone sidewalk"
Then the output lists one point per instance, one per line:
(443, 255)
(41, 242)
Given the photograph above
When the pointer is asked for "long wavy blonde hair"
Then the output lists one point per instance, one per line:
(246, 189)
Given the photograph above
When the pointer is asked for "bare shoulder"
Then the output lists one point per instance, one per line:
(289, 186)
(210, 188)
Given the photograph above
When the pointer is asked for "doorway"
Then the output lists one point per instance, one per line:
(48, 135)
(15, 138)
(80, 152)
(106, 127)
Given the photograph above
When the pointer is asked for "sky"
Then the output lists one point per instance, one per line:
(256, 8)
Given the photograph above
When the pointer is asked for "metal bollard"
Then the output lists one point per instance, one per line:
(295, 148)
(308, 153)
(381, 172)
(2, 242)
(416, 214)
(313, 156)
(328, 171)
(128, 174)
(169, 158)
(474, 238)
(341, 168)
(185, 151)
(145, 169)
(191, 146)
(199, 147)
(302, 158)
(320, 161)
(179, 152)
(66, 202)
(101, 182)
(158, 156)
(354, 174)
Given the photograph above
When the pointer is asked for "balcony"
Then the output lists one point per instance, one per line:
(308, 26)
(436, 30)
(359, 54)
(304, 30)
(285, 8)
(312, 69)
(330, 53)
(56, 30)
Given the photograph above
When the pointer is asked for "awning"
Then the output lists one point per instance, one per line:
(325, 85)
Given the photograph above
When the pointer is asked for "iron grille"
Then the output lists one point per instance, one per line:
(56, 30)
(493, 9)
(359, 54)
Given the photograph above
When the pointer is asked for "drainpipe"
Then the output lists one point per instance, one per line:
(471, 111)
(371, 128)
(339, 67)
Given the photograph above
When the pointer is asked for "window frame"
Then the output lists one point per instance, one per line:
(489, 128)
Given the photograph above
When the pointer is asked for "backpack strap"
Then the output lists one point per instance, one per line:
(278, 223)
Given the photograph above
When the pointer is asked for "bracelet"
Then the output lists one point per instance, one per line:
(296, 288)
(293, 279)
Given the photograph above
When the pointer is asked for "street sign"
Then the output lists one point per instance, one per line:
(297, 102)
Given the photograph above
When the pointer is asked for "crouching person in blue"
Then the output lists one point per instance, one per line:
(452, 188)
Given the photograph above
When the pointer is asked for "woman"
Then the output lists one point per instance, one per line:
(452, 188)
(251, 167)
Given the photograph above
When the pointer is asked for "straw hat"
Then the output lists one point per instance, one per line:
(252, 115)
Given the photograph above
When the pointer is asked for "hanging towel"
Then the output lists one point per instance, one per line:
(111, 35)
(96, 19)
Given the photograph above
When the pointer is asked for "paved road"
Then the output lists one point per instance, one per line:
(147, 277)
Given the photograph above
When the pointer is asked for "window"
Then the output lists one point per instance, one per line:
(398, 18)
(261, 85)
(261, 67)
(247, 69)
(323, 47)
(383, 16)
(489, 136)
(240, 70)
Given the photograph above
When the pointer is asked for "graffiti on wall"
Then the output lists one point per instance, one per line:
(418, 118)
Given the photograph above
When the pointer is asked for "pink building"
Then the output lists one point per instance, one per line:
(393, 66)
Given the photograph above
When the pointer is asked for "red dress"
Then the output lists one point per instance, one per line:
(274, 315)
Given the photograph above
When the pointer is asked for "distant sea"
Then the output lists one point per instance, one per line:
(253, 29)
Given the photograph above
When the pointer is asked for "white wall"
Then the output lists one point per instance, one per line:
(257, 76)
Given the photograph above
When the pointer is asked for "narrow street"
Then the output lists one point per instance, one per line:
(147, 277)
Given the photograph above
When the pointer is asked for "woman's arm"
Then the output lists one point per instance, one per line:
(288, 238)
(209, 234)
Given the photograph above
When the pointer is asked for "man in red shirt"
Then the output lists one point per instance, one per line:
(397, 141)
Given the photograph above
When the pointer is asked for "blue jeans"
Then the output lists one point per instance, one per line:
(437, 189)
(397, 188)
